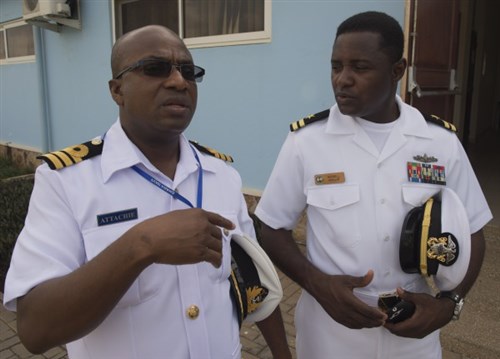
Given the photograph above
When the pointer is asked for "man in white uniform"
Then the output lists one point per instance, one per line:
(351, 169)
(126, 248)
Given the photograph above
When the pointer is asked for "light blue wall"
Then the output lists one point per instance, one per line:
(78, 69)
(19, 101)
(10, 9)
(19, 105)
(252, 93)
(246, 101)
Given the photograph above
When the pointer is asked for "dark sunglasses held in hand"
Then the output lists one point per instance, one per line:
(163, 68)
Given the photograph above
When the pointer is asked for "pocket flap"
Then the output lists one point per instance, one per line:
(417, 195)
(333, 197)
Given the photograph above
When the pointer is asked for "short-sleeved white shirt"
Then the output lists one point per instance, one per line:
(61, 234)
(355, 225)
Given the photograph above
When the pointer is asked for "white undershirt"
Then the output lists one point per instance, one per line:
(378, 132)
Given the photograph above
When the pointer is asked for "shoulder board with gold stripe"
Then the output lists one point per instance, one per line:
(73, 154)
(440, 122)
(212, 152)
(297, 125)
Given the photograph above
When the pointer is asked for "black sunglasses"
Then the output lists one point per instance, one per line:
(163, 68)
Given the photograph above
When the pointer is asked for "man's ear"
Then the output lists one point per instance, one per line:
(115, 87)
(398, 69)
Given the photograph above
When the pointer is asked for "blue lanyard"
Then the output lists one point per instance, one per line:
(173, 193)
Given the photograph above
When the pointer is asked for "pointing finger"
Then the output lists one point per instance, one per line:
(220, 221)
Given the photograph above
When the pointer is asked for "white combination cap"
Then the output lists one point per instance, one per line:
(436, 240)
(255, 285)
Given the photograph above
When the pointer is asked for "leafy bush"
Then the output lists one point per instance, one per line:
(8, 169)
(15, 192)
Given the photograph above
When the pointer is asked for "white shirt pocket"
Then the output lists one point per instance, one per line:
(223, 272)
(338, 205)
(417, 195)
(149, 281)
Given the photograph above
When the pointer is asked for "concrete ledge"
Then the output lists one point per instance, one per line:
(21, 156)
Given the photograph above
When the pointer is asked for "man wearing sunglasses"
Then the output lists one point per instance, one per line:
(357, 169)
(126, 248)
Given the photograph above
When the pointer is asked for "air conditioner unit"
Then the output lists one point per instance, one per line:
(40, 8)
(51, 14)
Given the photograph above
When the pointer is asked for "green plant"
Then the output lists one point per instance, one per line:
(9, 169)
(15, 192)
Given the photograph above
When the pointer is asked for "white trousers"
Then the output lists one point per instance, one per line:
(320, 337)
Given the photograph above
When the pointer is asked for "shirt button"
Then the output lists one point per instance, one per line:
(193, 311)
(225, 231)
(382, 201)
(386, 238)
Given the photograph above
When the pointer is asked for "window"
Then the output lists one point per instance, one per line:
(200, 23)
(16, 42)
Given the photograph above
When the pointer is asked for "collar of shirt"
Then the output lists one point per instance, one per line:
(410, 122)
(120, 153)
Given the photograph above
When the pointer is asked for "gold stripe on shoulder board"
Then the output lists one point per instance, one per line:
(297, 125)
(439, 121)
(446, 124)
(212, 152)
(73, 154)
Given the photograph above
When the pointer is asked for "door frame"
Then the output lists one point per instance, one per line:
(461, 105)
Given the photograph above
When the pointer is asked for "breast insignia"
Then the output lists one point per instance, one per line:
(212, 152)
(440, 122)
(297, 125)
(73, 154)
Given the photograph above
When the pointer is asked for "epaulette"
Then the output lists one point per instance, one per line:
(73, 154)
(297, 125)
(439, 121)
(212, 152)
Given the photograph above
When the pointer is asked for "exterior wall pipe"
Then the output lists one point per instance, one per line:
(44, 97)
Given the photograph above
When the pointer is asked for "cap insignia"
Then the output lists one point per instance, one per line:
(255, 296)
(443, 249)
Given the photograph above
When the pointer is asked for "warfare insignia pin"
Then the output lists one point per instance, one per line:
(425, 159)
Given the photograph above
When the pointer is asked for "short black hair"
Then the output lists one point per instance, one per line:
(392, 38)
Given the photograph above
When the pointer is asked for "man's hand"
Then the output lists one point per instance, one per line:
(430, 315)
(183, 237)
(335, 294)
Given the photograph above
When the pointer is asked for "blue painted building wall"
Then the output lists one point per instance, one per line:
(246, 101)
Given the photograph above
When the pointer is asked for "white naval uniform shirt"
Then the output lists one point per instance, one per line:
(355, 226)
(150, 322)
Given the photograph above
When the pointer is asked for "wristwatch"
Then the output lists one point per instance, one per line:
(459, 302)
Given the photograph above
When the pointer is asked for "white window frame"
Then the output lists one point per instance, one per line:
(3, 32)
(245, 38)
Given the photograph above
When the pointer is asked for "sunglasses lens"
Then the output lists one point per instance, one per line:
(157, 68)
(163, 69)
(188, 72)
